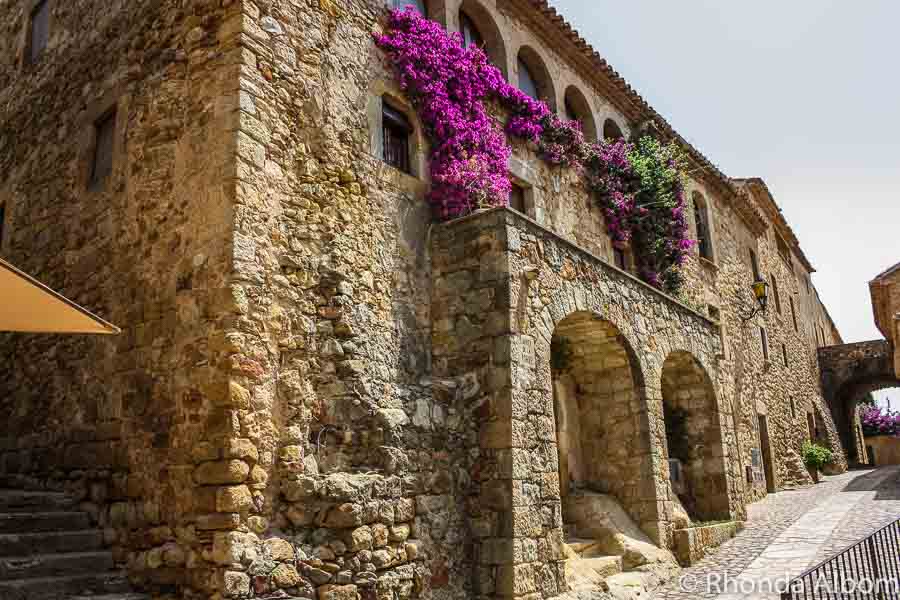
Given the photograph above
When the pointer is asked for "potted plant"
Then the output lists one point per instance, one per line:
(816, 457)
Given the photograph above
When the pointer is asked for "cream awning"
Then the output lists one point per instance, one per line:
(29, 306)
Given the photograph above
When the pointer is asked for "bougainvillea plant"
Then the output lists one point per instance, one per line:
(879, 421)
(638, 186)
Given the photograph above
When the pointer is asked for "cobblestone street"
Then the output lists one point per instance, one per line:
(791, 531)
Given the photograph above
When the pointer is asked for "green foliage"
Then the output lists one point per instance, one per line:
(816, 456)
(660, 232)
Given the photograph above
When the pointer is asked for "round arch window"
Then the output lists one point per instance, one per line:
(527, 81)
(470, 33)
(419, 5)
(611, 130)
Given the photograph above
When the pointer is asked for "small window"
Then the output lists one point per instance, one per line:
(2, 223)
(793, 409)
(620, 258)
(754, 266)
(714, 313)
(794, 314)
(517, 198)
(469, 31)
(105, 136)
(783, 248)
(765, 343)
(811, 425)
(38, 31)
(527, 81)
(807, 284)
(776, 294)
(701, 218)
(611, 130)
(419, 5)
(784, 354)
(396, 131)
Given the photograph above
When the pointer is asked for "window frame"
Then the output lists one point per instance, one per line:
(794, 313)
(35, 8)
(776, 292)
(764, 338)
(703, 226)
(393, 120)
(97, 180)
(754, 265)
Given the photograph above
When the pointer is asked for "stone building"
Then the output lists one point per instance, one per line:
(318, 390)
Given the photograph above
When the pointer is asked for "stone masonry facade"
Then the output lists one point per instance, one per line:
(320, 393)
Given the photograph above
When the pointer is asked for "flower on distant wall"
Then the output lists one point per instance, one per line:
(880, 421)
(639, 186)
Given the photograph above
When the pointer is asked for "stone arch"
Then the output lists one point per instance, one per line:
(602, 428)
(611, 130)
(577, 108)
(694, 439)
(532, 70)
(474, 14)
(849, 373)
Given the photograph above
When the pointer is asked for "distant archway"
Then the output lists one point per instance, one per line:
(694, 438)
(604, 446)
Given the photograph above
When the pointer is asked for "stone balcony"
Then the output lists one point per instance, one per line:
(575, 361)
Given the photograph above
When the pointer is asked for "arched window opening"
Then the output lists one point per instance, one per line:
(611, 130)
(701, 218)
(396, 134)
(419, 5)
(577, 108)
(470, 33)
(534, 78)
(527, 81)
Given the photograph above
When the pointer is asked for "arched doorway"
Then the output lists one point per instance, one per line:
(694, 438)
(602, 436)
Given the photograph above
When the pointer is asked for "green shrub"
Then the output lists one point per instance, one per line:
(816, 456)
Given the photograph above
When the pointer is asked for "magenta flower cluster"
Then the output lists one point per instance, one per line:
(879, 421)
(639, 186)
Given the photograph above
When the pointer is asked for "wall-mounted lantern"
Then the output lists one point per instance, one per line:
(761, 295)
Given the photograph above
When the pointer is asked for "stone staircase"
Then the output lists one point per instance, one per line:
(50, 551)
(586, 567)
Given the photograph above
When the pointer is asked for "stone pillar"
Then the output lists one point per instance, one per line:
(517, 529)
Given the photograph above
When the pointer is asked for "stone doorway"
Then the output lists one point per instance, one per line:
(694, 439)
(599, 402)
(765, 446)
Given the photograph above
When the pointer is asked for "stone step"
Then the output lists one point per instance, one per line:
(64, 588)
(31, 522)
(53, 565)
(47, 542)
(590, 573)
(22, 501)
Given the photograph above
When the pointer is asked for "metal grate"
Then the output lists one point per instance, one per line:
(870, 569)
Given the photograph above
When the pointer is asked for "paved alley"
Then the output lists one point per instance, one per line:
(791, 531)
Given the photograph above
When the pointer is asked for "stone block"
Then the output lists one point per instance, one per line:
(221, 472)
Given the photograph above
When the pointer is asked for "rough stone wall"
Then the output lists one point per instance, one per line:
(119, 421)
(508, 286)
(282, 412)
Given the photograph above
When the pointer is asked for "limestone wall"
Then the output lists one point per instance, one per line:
(119, 420)
(317, 390)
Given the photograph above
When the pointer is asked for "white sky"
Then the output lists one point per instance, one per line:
(803, 93)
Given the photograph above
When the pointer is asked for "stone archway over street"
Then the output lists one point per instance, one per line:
(849, 373)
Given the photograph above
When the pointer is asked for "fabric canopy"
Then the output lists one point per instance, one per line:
(29, 306)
